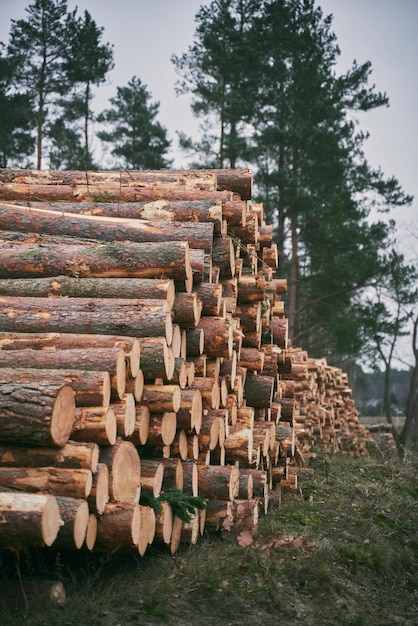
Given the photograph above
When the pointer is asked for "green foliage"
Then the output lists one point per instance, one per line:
(296, 120)
(137, 138)
(182, 504)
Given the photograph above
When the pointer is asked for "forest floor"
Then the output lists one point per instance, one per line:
(343, 550)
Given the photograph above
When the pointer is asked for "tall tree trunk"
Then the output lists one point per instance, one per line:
(410, 430)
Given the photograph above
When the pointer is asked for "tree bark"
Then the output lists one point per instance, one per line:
(75, 514)
(58, 481)
(35, 409)
(111, 229)
(95, 424)
(72, 455)
(124, 259)
(28, 520)
(68, 286)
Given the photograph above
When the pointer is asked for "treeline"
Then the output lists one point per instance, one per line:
(48, 70)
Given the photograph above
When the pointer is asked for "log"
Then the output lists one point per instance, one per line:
(75, 514)
(161, 398)
(91, 533)
(119, 526)
(56, 319)
(259, 390)
(125, 414)
(111, 360)
(124, 466)
(152, 475)
(118, 259)
(218, 336)
(110, 229)
(72, 455)
(187, 309)
(195, 340)
(162, 429)
(70, 341)
(189, 415)
(147, 530)
(190, 478)
(252, 359)
(95, 424)
(209, 390)
(90, 388)
(68, 286)
(210, 295)
(218, 482)
(159, 210)
(35, 409)
(164, 524)
(173, 474)
(223, 256)
(58, 481)
(99, 495)
(28, 520)
(157, 359)
(141, 430)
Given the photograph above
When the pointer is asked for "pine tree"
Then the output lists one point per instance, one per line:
(37, 47)
(220, 70)
(86, 65)
(138, 140)
(16, 119)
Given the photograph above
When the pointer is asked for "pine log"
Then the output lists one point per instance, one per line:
(141, 430)
(125, 413)
(157, 359)
(189, 415)
(69, 341)
(116, 259)
(95, 424)
(134, 386)
(75, 514)
(187, 309)
(190, 478)
(259, 390)
(119, 526)
(195, 340)
(218, 512)
(159, 210)
(209, 390)
(251, 289)
(111, 360)
(100, 490)
(235, 212)
(231, 180)
(91, 533)
(68, 286)
(90, 388)
(223, 256)
(164, 524)
(72, 455)
(124, 466)
(182, 373)
(252, 359)
(110, 229)
(161, 398)
(28, 520)
(147, 530)
(239, 447)
(35, 409)
(152, 475)
(173, 474)
(210, 295)
(58, 481)
(162, 429)
(218, 336)
(219, 483)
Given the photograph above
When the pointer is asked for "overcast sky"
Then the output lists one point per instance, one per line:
(145, 33)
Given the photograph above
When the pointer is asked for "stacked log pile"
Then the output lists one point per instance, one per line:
(144, 348)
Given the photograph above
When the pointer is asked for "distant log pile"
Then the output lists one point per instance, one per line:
(143, 350)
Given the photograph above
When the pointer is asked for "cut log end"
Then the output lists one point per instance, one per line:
(63, 416)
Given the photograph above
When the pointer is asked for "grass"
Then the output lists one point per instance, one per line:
(344, 550)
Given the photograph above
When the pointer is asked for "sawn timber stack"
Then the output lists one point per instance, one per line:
(144, 305)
